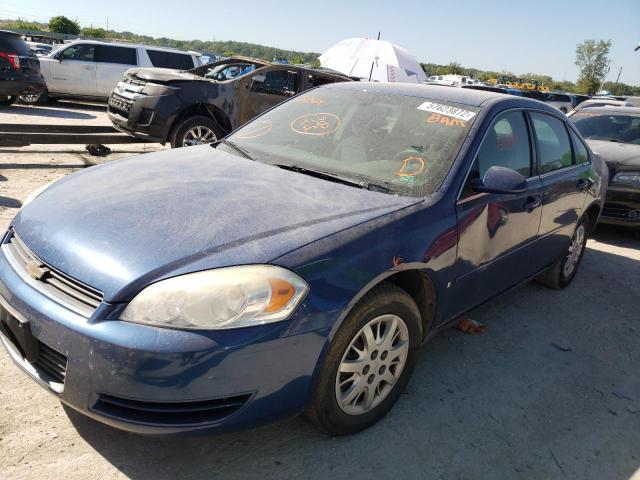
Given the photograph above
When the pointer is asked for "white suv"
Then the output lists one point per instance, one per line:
(91, 69)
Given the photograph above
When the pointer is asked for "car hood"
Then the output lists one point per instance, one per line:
(162, 74)
(617, 154)
(120, 226)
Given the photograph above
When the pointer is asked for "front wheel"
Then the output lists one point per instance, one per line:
(565, 268)
(8, 100)
(368, 364)
(196, 130)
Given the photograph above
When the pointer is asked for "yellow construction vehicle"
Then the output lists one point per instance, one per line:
(519, 83)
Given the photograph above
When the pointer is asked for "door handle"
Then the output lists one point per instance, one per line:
(584, 184)
(532, 203)
(89, 67)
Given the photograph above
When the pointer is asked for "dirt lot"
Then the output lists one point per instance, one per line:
(552, 390)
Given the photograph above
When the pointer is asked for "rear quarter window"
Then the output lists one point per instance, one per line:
(14, 44)
(175, 60)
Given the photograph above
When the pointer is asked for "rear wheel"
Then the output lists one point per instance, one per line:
(8, 100)
(368, 364)
(196, 130)
(34, 98)
(565, 268)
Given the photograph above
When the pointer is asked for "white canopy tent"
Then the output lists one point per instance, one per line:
(378, 60)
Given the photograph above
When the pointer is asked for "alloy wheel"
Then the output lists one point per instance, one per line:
(199, 135)
(575, 249)
(372, 364)
(30, 97)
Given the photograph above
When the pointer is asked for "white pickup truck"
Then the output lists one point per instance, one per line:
(91, 69)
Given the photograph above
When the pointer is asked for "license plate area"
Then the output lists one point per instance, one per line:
(19, 334)
(46, 365)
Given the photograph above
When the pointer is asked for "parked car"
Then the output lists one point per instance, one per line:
(40, 49)
(561, 101)
(614, 134)
(298, 266)
(577, 99)
(600, 102)
(19, 69)
(204, 104)
(90, 69)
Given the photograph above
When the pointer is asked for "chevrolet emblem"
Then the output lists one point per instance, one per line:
(36, 270)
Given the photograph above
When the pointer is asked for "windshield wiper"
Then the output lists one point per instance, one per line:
(235, 146)
(334, 177)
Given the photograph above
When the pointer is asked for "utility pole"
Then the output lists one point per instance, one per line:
(619, 73)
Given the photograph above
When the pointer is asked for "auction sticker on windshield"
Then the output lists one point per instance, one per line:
(455, 112)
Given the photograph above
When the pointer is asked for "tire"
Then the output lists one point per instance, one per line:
(33, 99)
(560, 274)
(8, 100)
(339, 402)
(186, 133)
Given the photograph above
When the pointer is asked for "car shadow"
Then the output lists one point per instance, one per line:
(552, 389)
(50, 112)
(8, 202)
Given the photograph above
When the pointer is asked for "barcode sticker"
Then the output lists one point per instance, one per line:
(448, 110)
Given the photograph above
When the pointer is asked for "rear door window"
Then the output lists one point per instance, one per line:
(113, 54)
(175, 60)
(276, 82)
(554, 148)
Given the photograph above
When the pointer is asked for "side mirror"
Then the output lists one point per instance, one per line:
(501, 180)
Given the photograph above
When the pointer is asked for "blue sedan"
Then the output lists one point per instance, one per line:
(297, 265)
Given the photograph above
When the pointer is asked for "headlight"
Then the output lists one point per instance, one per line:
(627, 178)
(231, 297)
(35, 193)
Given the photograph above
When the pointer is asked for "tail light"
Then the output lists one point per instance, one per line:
(12, 58)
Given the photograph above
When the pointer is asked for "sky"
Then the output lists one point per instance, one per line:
(520, 36)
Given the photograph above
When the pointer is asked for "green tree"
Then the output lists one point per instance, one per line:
(592, 58)
(62, 24)
(454, 68)
(94, 32)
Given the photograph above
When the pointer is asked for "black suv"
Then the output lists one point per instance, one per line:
(202, 105)
(19, 69)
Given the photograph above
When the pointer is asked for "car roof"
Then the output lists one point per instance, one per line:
(10, 32)
(610, 109)
(128, 44)
(465, 96)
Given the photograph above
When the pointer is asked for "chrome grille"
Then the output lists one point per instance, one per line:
(53, 283)
(134, 81)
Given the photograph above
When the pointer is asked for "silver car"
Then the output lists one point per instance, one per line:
(561, 101)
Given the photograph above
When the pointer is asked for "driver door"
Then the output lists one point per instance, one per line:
(497, 232)
(265, 89)
(73, 72)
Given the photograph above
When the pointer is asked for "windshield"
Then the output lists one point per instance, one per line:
(617, 127)
(403, 143)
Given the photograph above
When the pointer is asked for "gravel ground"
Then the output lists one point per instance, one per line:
(552, 390)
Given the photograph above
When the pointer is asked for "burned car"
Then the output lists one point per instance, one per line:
(202, 105)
